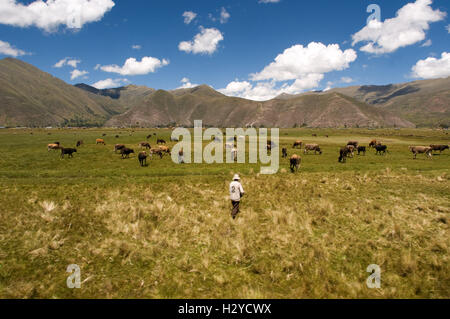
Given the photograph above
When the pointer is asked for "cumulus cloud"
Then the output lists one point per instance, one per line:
(346, 79)
(186, 84)
(432, 68)
(299, 61)
(136, 47)
(269, 1)
(205, 42)
(427, 43)
(8, 49)
(189, 16)
(224, 15)
(109, 83)
(448, 28)
(133, 67)
(67, 61)
(407, 28)
(294, 71)
(77, 73)
(49, 15)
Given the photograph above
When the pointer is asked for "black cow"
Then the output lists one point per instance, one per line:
(160, 141)
(381, 149)
(362, 149)
(143, 158)
(68, 151)
(284, 151)
(344, 152)
(126, 152)
(79, 143)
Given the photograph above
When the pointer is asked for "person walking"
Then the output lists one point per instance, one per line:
(236, 193)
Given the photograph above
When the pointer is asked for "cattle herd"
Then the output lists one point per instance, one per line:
(345, 152)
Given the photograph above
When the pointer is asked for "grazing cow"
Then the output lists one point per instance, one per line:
(79, 143)
(104, 134)
(53, 147)
(372, 143)
(439, 148)
(362, 149)
(117, 136)
(68, 151)
(269, 146)
(118, 147)
(354, 143)
(295, 161)
(351, 150)
(314, 135)
(312, 147)
(143, 158)
(298, 144)
(145, 145)
(343, 154)
(149, 136)
(160, 141)
(381, 149)
(100, 141)
(126, 152)
(57, 143)
(421, 150)
(284, 152)
(165, 149)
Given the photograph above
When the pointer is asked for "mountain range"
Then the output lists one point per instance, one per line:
(31, 97)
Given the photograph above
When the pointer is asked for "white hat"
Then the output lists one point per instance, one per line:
(236, 177)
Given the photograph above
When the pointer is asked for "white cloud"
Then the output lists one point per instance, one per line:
(8, 49)
(427, 43)
(189, 16)
(186, 84)
(67, 61)
(448, 28)
(77, 73)
(205, 42)
(407, 28)
(224, 15)
(51, 14)
(133, 67)
(97, 66)
(298, 69)
(346, 79)
(269, 1)
(109, 83)
(136, 47)
(432, 68)
(298, 61)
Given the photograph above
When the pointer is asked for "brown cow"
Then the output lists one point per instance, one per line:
(298, 144)
(165, 149)
(421, 150)
(118, 147)
(354, 143)
(343, 154)
(100, 141)
(350, 150)
(312, 147)
(295, 161)
(145, 145)
(53, 147)
(439, 148)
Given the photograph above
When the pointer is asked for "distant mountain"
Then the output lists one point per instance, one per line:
(215, 109)
(31, 97)
(425, 103)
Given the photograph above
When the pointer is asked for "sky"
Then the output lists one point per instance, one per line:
(254, 49)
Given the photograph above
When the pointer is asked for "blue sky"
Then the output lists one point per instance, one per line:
(238, 41)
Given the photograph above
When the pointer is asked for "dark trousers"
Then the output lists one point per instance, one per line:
(235, 209)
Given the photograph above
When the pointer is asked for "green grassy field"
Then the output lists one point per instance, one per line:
(165, 231)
